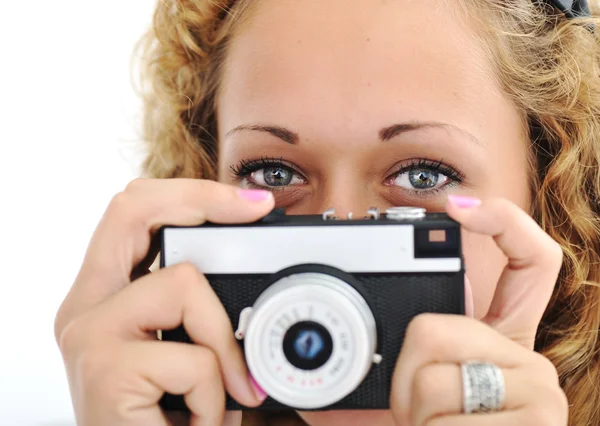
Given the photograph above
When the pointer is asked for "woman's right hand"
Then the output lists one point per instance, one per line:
(106, 326)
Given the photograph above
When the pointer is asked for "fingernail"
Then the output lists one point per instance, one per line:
(464, 202)
(258, 391)
(254, 194)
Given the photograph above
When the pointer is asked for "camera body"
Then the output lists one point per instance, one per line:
(320, 306)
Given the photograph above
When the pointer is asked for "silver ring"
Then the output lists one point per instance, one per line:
(483, 387)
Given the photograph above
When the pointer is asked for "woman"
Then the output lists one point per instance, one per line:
(487, 109)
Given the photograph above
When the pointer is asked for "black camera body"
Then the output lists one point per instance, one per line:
(320, 305)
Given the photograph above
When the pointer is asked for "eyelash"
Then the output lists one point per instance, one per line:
(246, 167)
(454, 176)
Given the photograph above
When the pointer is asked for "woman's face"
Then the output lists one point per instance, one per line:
(354, 104)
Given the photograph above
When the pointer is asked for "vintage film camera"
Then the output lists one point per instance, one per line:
(320, 306)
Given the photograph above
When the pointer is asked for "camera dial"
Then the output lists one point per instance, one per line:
(309, 339)
(400, 212)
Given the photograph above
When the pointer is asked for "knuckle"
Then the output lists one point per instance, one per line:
(201, 366)
(538, 416)
(208, 367)
(556, 252)
(426, 332)
(550, 251)
(186, 276)
(70, 337)
(546, 368)
(559, 399)
(120, 203)
(60, 322)
(126, 210)
(136, 185)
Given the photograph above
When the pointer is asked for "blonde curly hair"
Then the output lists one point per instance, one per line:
(549, 66)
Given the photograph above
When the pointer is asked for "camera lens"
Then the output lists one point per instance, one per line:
(310, 339)
(307, 345)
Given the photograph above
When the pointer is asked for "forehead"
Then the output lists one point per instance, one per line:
(347, 61)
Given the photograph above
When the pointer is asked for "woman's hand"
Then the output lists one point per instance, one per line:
(427, 383)
(106, 327)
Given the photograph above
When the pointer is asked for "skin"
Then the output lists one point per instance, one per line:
(335, 83)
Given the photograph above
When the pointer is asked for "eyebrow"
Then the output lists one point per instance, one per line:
(277, 131)
(385, 134)
(394, 130)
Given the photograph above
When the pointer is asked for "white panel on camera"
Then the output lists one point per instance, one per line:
(239, 250)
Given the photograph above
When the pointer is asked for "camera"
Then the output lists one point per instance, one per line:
(320, 304)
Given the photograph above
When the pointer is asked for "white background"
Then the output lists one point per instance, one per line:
(69, 140)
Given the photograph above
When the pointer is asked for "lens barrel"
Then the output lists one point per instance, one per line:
(310, 340)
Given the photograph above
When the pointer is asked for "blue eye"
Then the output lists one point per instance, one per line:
(419, 176)
(420, 179)
(274, 176)
(268, 173)
(425, 176)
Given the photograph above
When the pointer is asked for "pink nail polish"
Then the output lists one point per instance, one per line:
(258, 391)
(464, 202)
(254, 194)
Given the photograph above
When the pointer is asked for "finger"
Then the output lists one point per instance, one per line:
(534, 262)
(167, 299)
(434, 338)
(488, 419)
(123, 235)
(125, 387)
(542, 413)
(437, 391)
(469, 306)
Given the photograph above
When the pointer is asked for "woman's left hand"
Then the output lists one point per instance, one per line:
(427, 382)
